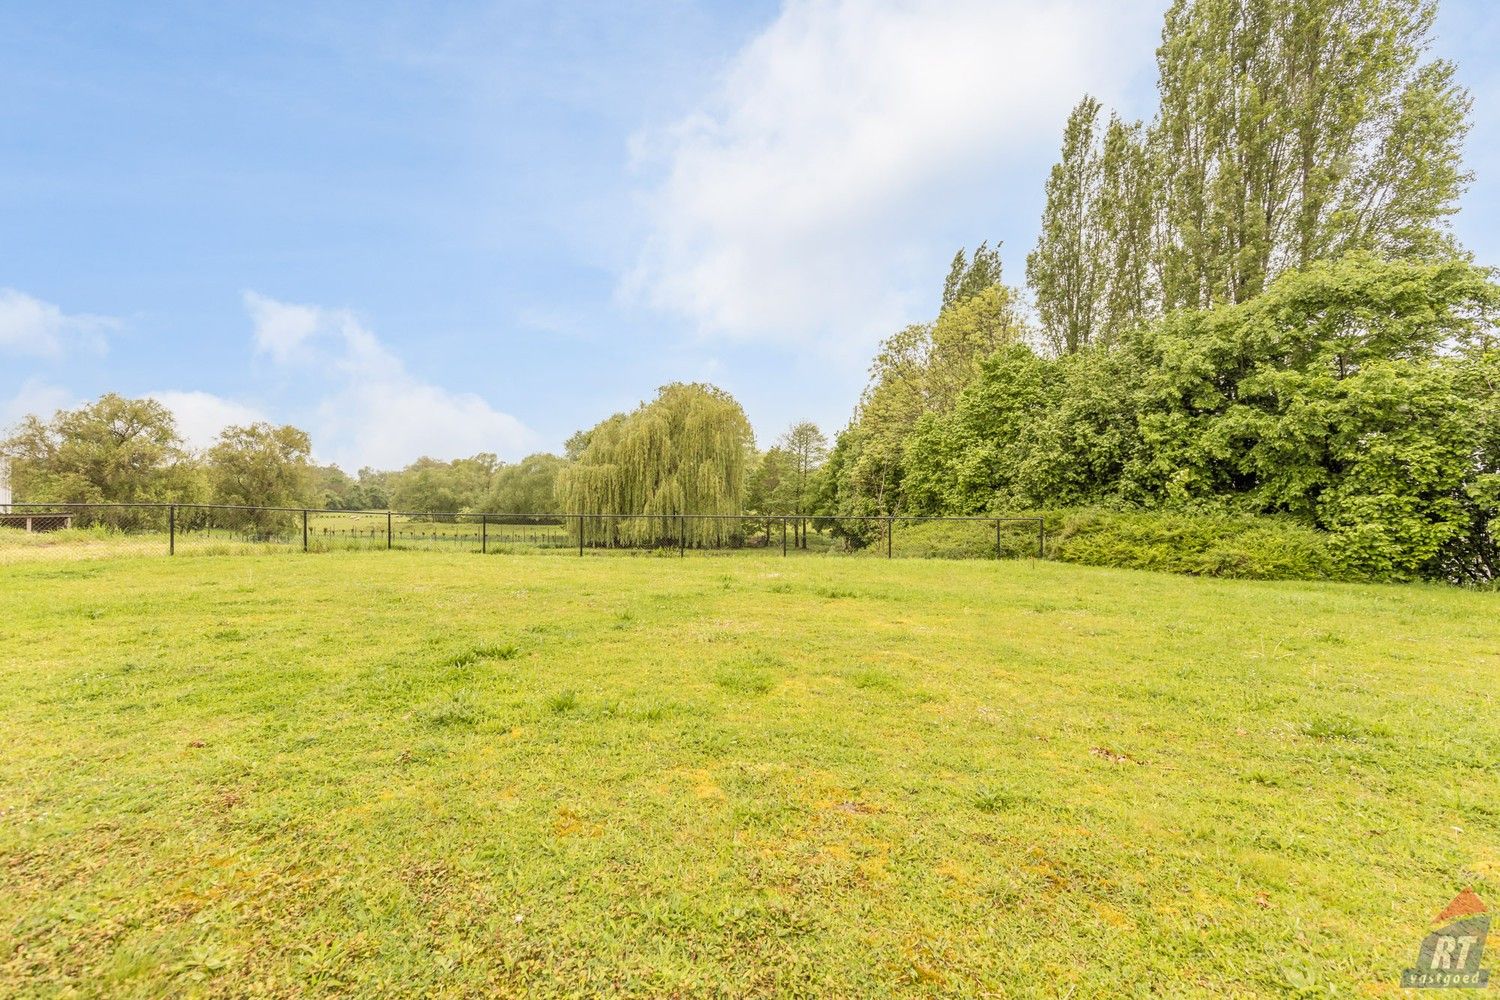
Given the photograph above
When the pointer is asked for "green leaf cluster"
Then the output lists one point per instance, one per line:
(1357, 396)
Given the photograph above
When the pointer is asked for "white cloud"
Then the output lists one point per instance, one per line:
(29, 326)
(370, 409)
(35, 397)
(786, 202)
(202, 415)
(281, 327)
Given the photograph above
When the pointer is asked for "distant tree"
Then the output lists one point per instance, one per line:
(261, 465)
(527, 487)
(432, 486)
(372, 490)
(333, 488)
(807, 450)
(113, 450)
(769, 484)
(685, 452)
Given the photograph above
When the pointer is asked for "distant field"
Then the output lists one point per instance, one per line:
(369, 530)
(370, 773)
(328, 532)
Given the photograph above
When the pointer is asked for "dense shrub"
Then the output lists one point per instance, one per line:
(1199, 544)
(1245, 547)
(1360, 397)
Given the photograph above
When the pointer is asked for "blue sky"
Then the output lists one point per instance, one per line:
(448, 228)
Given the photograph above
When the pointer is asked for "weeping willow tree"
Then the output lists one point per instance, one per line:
(684, 453)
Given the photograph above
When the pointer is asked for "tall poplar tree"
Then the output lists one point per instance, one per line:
(1091, 269)
(1066, 269)
(968, 276)
(1126, 207)
(1288, 131)
(1291, 131)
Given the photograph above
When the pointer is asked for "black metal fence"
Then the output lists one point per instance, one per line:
(37, 530)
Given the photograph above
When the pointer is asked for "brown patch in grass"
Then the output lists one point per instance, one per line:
(1114, 757)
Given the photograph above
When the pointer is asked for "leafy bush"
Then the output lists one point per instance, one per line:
(1243, 547)
(1198, 544)
(1357, 396)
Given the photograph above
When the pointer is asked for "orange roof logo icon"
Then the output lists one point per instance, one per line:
(1465, 904)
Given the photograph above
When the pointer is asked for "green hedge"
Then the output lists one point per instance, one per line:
(1222, 545)
(1239, 546)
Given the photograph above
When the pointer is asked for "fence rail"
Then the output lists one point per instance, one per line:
(171, 528)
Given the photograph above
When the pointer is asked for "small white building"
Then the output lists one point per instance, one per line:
(5, 500)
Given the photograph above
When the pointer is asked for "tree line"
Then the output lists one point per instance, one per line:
(1252, 305)
(690, 450)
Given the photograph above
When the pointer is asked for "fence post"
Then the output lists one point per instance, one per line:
(580, 536)
(682, 535)
(387, 531)
(998, 550)
(171, 530)
(783, 536)
(1041, 538)
(890, 529)
(304, 529)
(484, 534)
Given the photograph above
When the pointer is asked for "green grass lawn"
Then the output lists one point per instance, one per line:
(442, 774)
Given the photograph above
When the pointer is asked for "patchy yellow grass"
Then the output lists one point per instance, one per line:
(415, 773)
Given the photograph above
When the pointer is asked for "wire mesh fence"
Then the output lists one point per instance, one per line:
(53, 531)
(38, 531)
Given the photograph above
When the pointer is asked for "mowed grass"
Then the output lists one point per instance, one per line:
(427, 774)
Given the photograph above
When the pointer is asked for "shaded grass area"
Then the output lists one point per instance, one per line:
(397, 773)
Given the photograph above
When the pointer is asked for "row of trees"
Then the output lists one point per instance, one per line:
(1287, 132)
(1254, 303)
(118, 450)
(690, 450)
(1360, 396)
